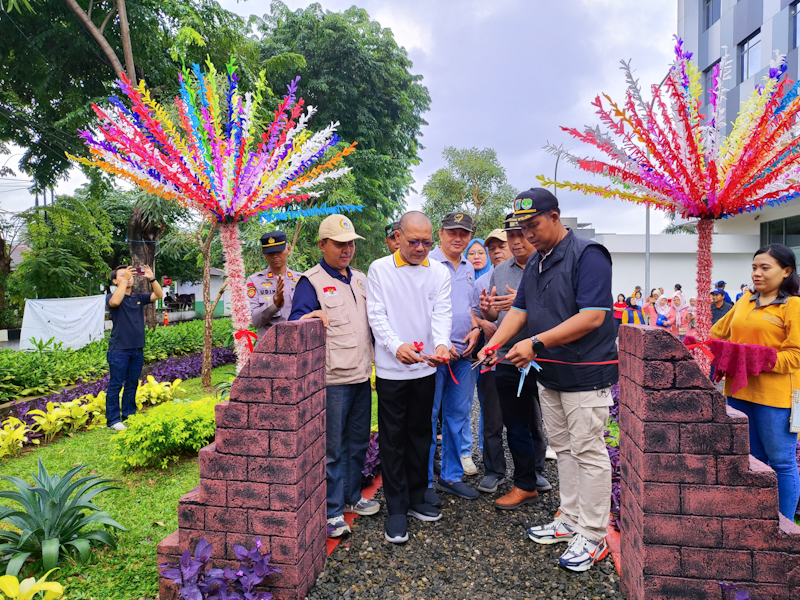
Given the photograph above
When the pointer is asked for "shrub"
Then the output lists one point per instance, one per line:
(165, 433)
(153, 393)
(13, 435)
(55, 511)
(197, 582)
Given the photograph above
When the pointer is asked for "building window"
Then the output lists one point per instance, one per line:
(750, 56)
(793, 25)
(792, 232)
(711, 12)
(776, 231)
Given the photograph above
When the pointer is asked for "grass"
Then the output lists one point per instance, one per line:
(146, 505)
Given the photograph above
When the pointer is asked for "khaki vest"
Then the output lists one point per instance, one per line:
(348, 347)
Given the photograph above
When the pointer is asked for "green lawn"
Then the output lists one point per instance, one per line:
(146, 504)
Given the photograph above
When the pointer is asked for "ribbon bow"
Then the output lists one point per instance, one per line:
(692, 344)
(248, 335)
(418, 346)
(523, 372)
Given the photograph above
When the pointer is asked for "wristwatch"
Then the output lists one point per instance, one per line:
(538, 345)
(152, 280)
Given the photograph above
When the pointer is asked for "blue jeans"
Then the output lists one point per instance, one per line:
(772, 443)
(124, 368)
(348, 414)
(456, 404)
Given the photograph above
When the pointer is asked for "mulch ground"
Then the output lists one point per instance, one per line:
(474, 552)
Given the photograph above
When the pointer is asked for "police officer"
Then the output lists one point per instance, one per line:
(270, 291)
(565, 300)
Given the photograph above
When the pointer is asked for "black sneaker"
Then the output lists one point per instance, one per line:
(457, 488)
(424, 512)
(396, 529)
(432, 498)
(490, 483)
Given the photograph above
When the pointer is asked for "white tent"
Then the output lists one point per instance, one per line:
(73, 321)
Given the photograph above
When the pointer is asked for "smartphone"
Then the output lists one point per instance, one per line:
(139, 271)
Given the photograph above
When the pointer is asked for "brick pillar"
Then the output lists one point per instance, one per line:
(264, 475)
(696, 507)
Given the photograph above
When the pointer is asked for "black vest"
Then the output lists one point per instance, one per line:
(550, 300)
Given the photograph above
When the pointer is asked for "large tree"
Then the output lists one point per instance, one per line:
(473, 181)
(354, 73)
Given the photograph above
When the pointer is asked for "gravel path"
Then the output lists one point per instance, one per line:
(474, 552)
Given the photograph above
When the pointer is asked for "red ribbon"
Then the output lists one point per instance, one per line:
(704, 347)
(418, 346)
(247, 334)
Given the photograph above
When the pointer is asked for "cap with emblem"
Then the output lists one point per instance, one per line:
(272, 242)
(511, 222)
(457, 220)
(338, 228)
(533, 202)
(496, 234)
(391, 228)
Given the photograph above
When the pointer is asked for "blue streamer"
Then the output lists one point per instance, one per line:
(269, 216)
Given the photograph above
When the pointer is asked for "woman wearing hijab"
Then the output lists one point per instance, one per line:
(677, 316)
(660, 317)
(691, 312)
(632, 315)
(476, 255)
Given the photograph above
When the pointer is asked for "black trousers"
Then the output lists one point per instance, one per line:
(404, 423)
(522, 417)
(494, 459)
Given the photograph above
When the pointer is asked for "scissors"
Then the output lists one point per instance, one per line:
(482, 362)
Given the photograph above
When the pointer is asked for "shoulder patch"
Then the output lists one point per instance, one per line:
(251, 291)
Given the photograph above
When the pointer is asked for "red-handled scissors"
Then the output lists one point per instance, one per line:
(489, 352)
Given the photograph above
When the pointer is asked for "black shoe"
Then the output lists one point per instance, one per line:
(396, 529)
(542, 485)
(457, 489)
(490, 483)
(424, 512)
(432, 498)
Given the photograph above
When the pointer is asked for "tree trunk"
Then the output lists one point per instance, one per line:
(240, 310)
(143, 236)
(705, 231)
(125, 35)
(98, 36)
(208, 310)
(5, 270)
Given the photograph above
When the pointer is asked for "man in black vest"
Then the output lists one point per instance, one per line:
(565, 300)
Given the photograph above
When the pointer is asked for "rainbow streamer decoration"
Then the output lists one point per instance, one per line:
(669, 155)
(271, 216)
(213, 160)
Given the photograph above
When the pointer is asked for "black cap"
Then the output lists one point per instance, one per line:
(391, 228)
(533, 202)
(511, 222)
(273, 242)
(457, 220)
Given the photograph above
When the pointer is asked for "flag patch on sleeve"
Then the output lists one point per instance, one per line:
(330, 291)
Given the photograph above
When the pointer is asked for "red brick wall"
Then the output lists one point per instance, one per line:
(696, 507)
(264, 475)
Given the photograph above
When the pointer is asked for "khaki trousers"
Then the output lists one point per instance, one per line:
(575, 423)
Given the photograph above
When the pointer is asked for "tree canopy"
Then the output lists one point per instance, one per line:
(473, 181)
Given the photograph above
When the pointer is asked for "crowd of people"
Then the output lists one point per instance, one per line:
(526, 318)
(440, 323)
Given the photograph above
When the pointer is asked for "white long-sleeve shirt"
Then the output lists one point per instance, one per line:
(406, 304)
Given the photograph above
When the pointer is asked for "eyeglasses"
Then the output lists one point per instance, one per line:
(415, 243)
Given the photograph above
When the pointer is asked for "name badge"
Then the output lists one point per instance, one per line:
(330, 291)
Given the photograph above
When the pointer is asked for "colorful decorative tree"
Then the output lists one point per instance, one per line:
(215, 162)
(669, 155)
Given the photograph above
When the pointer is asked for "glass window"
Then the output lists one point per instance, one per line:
(792, 231)
(750, 56)
(764, 234)
(711, 10)
(776, 231)
(793, 24)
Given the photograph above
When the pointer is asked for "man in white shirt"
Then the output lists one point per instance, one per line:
(409, 311)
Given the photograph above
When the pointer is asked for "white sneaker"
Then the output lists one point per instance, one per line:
(582, 553)
(364, 507)
(468, 466)
(550, 454)
(552, 533)
(120, 426)
(337, 527)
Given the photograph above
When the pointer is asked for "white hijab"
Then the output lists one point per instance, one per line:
(677, 304)
(662, 309)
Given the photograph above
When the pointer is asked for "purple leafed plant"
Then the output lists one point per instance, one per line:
(732, 592)
(616, 485)
(372, 462)
(187, 367)
(198, 582)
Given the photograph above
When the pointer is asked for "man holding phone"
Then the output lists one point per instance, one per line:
(126, 346)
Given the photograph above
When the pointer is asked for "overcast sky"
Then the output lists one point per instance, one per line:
(505, 74)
